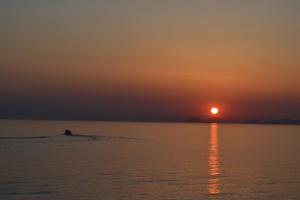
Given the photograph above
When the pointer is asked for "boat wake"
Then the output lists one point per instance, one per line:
(93, 137)
(22, 138)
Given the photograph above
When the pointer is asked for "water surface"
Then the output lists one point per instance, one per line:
(148, 161)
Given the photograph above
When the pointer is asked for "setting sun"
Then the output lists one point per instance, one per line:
(214, 110)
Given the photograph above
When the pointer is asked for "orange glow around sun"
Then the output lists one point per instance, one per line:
(214, 110)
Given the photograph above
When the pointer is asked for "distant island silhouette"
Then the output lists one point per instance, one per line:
(244, 121)
(182, 120)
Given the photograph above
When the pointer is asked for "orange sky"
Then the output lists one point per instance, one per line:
(243, 56)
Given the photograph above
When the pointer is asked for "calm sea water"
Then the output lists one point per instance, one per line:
(149, 161)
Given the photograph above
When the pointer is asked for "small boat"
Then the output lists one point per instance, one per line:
(69, 133)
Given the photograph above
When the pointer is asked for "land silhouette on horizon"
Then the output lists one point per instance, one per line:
(245, 121)
(189, 120)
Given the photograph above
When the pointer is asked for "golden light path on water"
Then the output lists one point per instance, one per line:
(213, 161)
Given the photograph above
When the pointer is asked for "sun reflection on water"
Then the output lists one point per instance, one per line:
(213, 161)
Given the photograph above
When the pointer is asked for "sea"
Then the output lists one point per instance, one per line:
(148, 161)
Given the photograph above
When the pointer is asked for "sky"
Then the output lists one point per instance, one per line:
(149, 60)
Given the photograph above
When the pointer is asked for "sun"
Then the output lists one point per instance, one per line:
(214, 110)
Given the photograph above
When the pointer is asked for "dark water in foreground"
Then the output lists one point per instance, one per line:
(148, 161)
